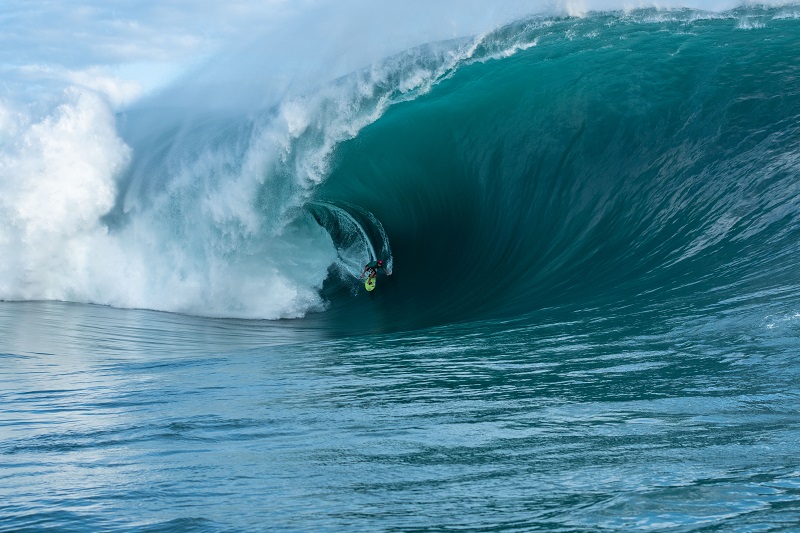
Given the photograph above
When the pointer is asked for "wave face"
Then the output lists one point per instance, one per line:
(647, 158)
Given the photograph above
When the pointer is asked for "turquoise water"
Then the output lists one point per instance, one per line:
(591, 322)
(577, 420)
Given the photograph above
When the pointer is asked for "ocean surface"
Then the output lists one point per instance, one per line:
(590, 318)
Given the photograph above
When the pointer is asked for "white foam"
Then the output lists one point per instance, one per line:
(59, 174)
(56, 180)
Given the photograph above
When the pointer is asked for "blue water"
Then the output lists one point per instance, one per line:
(591, 321)
(581, 420)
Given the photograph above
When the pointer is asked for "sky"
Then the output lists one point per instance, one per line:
(127, 48)
(123, 48)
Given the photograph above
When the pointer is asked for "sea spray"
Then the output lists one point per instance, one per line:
(57, 178)
(209, 216)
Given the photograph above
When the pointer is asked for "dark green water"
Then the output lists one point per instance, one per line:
(633, 161)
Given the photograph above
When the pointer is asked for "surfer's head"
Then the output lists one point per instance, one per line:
(380, 262)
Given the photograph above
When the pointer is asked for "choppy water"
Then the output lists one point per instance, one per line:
(579, 420)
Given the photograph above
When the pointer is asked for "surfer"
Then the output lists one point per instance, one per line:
(372, 267)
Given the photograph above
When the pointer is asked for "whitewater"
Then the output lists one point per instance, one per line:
(590, 215)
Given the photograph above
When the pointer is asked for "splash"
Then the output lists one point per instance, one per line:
(57, 178)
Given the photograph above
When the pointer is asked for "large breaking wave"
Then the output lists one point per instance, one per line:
(647, 157)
